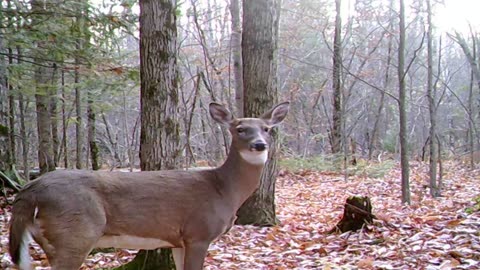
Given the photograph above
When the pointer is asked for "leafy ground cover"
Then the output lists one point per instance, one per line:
(441, 233)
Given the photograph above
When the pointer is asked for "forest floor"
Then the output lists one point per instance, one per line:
(442, 233)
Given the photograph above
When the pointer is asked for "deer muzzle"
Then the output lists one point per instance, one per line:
(258, 146)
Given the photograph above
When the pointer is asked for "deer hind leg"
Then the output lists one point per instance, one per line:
(67, 247)
(70, 252)
(195, 254)
(67, 251)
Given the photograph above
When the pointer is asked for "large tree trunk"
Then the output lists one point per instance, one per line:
(45, 143)
(337, 113)
(259, 47)
(402, 109)
(43, 91)
(236, 47)
(160, 134)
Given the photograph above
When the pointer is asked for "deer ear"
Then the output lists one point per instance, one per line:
(276, 115)
(220, 114)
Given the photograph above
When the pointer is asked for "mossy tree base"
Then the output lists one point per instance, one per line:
(258, 214)
(356, 214)
(158, 259)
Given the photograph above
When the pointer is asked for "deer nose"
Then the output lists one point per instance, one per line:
(258, 146)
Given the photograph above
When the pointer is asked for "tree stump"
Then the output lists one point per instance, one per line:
(357, 213)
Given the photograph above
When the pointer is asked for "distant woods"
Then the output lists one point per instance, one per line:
(70, 80)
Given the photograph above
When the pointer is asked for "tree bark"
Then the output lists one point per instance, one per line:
(64, 122)
(54, 122)
(431, 95)
(471, 128)
(91, 122)
(11, 117)
(160, 126)
(78, 98)
(404, 163)
(43, 77)
(4, 145)
(236, 47)
(471, 123)
(337, 113)
(7, 103)
(22, 102)
(259, 47)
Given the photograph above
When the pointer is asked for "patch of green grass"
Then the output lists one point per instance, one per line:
(475, 207)
(334, 163)
(372, 169)
(318, 163)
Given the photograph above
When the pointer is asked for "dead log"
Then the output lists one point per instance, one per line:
(356, 214)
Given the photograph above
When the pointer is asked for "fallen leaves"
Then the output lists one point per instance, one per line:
(428, 234)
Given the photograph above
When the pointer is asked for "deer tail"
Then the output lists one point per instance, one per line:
(23, 212)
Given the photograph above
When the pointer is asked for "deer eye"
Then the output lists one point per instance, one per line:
(240, 130)
(266, 129)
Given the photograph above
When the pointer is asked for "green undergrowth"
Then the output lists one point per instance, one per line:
(475, 207)
(336, 164)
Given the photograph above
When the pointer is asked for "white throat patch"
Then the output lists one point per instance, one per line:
(255, 157)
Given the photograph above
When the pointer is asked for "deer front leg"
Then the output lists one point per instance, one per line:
(179, 257)
(195, 255)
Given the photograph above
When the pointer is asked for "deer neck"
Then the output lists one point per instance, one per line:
(241, 174)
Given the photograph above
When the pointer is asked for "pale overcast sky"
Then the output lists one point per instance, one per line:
(457, 14)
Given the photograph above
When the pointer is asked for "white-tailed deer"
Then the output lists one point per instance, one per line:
(70, 212)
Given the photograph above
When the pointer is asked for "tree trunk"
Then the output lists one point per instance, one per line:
(131, 160)
(54, 122)
(45, 143)
(402, 109)
(471, 122)
(471, 129)
(23, 134)
(22, 103)
(431, 95)
(4, 145)
(78, 107)
(236, 45)
(11, 116)
(160, 126)
(64, 122)
(43, 77)
(337, 113)
(259, 47)
(92, 143)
